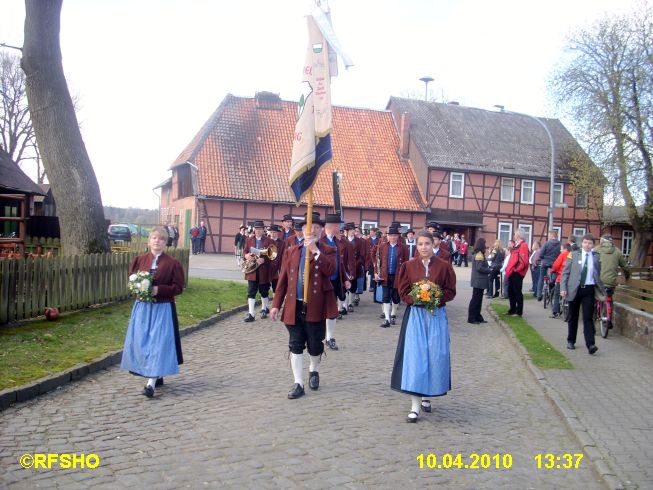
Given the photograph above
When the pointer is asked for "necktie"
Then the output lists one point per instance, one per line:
(583, 273)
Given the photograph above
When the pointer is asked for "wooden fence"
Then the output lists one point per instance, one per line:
(638, 291)
(28, 285)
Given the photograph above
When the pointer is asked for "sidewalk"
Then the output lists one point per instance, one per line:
(225, 421)
(606, 398)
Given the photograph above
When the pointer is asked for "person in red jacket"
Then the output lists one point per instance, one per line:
(556, 269)
(464, 248)
(515, 272)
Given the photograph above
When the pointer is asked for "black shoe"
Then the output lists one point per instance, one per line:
(339, 316)
(332, 344)
(539, 298)
(555, 315)
(496, 295)
(482, 320)
(296, 391)
(264, 314)
(249, 318)
(357, 300)
(350, 308)
(343, 311)
(385, 324)
(148, 391)
(426, 406)
(592, 349)
(159, 382)
(475, 322)
(382, 316)
(412, 420)
(570, 346)
(313, 380)
(393, 320)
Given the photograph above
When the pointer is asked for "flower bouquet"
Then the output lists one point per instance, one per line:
(140, 284)
(427, 294)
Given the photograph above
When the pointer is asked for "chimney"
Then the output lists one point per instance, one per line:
(404, 135)
(268, 100)
(453, 102)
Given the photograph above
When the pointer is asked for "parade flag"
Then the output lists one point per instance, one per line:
(312, 138)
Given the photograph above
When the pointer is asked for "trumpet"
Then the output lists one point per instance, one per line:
(251, 264)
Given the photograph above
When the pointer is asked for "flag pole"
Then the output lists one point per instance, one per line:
(309, 229)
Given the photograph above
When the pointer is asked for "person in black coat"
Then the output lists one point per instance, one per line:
(480, 273)
(495, 261)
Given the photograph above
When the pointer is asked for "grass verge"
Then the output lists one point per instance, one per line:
(35, 349)
(542, 353)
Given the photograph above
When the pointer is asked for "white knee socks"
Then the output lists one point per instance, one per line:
(416, 403)
(251, 303)
(297, 363)
(151, 382)
(330, 328)
(339, 305)
(265, 302)
(386, 310)
(394, 310)
(315, 361)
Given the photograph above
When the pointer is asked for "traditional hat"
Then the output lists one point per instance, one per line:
(393, 230)
(437, 234)
(349, 226)
(287, 217)
(298, 225)
(274, 228)
(258, 224)
(410, 230)
(333, 218)
(395, 224)
(315, 220)
(433, 224)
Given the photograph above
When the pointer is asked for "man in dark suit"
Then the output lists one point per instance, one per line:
(440, 247)
(306, 321)
(581, 281)
(259, 280)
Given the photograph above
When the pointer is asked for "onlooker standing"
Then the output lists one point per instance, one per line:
(548, 254)
(515, 272)
(195, 239)
(202, 237)
(581, 280)
(175, 239)
(464, 248)
(504, 280)
(480, 273)
(572, 241)
(556, 269)
(495, 261)
(534, 262)
(239, 244)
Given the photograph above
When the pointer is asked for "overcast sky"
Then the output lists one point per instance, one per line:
(148, 73)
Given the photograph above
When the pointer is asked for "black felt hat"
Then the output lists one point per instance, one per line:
(333, 218)
(287, 217)
(316, 219)
(258, 224)
(393, 230)
(350, 226)
(274, 228)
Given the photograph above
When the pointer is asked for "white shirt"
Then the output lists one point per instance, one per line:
(589, 279)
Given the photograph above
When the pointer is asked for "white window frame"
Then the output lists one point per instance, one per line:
(367, 225)
(509, 225)
(532, 200)
(579, 235)
(584, 196)
(559, 230)
(462, 185)
(504, 182)
(627, 238)
(529, 232)
(561, 187)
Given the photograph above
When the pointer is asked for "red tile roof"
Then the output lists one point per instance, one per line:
(243, 152)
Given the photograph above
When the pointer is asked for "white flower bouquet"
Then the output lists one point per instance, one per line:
(140, 285)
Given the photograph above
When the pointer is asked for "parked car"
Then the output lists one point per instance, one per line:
(120, 232)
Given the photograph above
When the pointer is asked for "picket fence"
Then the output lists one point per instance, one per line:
(29, 285)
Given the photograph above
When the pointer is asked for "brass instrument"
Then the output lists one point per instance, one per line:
(377, 262)
(251, 264)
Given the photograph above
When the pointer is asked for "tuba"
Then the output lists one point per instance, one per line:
(250, 265)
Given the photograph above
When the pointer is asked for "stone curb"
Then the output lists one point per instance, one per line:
(574, 425)
(40, 386)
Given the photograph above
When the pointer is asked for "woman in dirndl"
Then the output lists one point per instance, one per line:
(152, 344)
(422, 365)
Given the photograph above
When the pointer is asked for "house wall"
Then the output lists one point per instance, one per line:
(617, 232)
(482, 193)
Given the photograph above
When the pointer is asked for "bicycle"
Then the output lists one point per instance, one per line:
(603, 313)
(564, 308)
(548, 288)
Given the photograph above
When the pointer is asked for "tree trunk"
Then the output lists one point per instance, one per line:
(74, 185)
(641, 246)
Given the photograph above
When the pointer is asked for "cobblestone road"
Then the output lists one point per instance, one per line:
(225, 420)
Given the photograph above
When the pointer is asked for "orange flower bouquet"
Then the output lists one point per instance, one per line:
(427, 294)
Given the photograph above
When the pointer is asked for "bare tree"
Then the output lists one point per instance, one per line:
(69, 169)
(607, 87)
(17, 139)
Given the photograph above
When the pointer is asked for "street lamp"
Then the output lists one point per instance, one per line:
(553, 164)
(426, 81)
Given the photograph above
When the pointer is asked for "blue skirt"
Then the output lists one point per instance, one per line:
(151, 342)
(422, 362)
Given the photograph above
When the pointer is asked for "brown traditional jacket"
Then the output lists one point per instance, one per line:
(342, 257)
(264, 272)
(442, 252)
(359, 256)
(402, 256)
(275, 265)
(169, 275)
(439, 271)
(320, 305)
